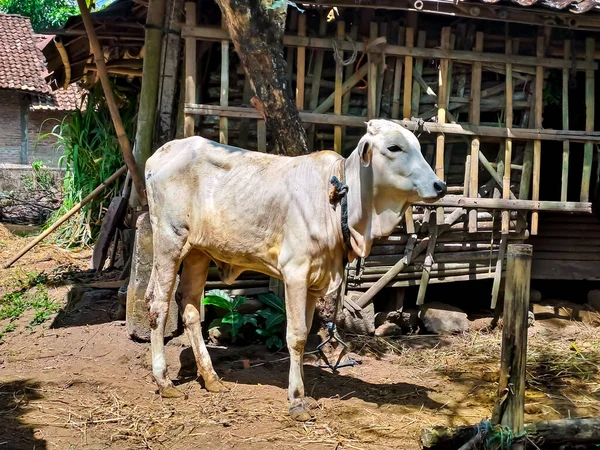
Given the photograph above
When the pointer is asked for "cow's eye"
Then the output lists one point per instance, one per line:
(394, 148)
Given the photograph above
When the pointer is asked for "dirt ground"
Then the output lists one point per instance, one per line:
(77, 382)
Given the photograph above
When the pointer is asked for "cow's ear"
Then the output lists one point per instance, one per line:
(365, 151)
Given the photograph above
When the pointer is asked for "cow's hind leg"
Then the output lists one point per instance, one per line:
(165, 264)
(296, 310)
(189, 293)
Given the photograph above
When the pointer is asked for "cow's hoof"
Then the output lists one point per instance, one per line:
(171, 392)
(301, 412)
(215, 386)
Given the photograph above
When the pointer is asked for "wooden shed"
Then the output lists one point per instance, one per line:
(500, 93)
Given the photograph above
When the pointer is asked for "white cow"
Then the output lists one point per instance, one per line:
(246, 210)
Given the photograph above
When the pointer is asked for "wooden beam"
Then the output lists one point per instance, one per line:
(511, 205)
(448, 128)
(210, 33)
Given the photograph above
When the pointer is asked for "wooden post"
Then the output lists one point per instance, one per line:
(244, 123)
(398, 77)
(428, 258)
(301, 64)
(348, 72)
(136, 177)
(261, 135)
(380, 72)
(408, 75)
(190, 69)
(372, 87)
(151, 70)
(224, 100)
(339, 80)
(474, 111)
(316, 82)
(537, 144)
(588, 147)
(508, 143)
(564, 186)
(509, 410)
(442, 107)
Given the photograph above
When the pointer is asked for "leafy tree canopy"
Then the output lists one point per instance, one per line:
(43, 13)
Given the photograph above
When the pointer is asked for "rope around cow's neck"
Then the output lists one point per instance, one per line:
(339, 194)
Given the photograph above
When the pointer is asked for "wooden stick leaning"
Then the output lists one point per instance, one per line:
(136, 177)
(65, 217)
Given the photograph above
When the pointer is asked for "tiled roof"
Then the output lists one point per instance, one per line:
(58, 100)
(575, 6)
(21, 61)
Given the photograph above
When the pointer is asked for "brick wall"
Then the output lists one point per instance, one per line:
(39, 123)
(10, 126)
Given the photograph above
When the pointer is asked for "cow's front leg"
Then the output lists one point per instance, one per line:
(296, 310)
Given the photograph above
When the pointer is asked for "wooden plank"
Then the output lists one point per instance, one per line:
(448, 128)
(398, 77)
(564, 186)
(416, 89)
(588, 148)
(300, 64)
(210, 33)
(408, 75)
(372, 87)
(339, 79)
(224, 100)
(190, 69)
(537, 144)
(474, 115)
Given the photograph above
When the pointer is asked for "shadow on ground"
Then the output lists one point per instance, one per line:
(14, 403)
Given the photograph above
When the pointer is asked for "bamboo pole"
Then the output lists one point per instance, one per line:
(508, 144)
(148, 102)
(380, 73)
(348, 72)
(138, 180)
(398, 77)
(475, 119)
(300, 64)
(316, 81)
(372, 86)
(427, 265)
(418, 69)
(190, 69)
(224, 98)
(537, 144)
(509, 410)
(261, 135)
(408, 75)
(442, 107)
(588, 147)
(68, 214)
(339, 79)
(564, 186)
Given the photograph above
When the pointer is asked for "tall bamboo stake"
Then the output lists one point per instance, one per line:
(190, 69)
(138, 180)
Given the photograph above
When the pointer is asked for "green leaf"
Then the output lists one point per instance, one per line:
(272, 301)
(272, 318)
(215, 298)
(215, 324)
(274, 342)
(235, 319)
(250, 318)
(237, 301)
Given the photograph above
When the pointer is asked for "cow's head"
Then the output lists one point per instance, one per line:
(386, 173)
(399, 168)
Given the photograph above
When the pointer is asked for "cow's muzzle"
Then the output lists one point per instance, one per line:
(440, 188)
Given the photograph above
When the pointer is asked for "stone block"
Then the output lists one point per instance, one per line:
(137, 317)
(440, 318)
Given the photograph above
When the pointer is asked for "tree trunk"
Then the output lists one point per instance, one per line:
(256, 28)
